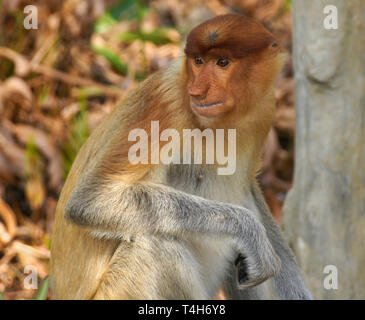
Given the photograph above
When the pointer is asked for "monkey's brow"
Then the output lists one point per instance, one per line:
(212, 36)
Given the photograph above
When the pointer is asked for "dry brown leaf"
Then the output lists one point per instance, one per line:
(34, 251)
(6, 171)
(15, 85)
(8, 256)
(5, 237)
(69, 111)
(22, 66)
(13, 153)
(31, 255)
(31, 230)
(8, 216)
(35, 192)
(46, 146)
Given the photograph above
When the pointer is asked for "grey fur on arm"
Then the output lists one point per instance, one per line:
(150, 208)
(288, 283)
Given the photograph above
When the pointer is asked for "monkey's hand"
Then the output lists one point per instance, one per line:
(257, 261)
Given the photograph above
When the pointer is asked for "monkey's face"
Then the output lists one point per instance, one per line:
(210, 86)
(231, 64)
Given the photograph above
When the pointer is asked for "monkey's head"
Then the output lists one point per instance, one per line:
(232, 62)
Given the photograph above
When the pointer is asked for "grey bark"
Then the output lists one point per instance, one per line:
(324, 213)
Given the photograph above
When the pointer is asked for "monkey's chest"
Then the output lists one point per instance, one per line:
(204, 181)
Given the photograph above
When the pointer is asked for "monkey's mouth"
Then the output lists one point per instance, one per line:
(207, 105)
(208, 110)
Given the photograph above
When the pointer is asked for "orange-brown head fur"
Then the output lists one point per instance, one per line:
(234, 35)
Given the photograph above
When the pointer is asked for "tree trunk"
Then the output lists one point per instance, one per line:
(324, 213)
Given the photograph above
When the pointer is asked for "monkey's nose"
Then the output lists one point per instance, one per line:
(197, 92)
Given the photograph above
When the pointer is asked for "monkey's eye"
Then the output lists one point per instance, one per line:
(198, 60)
(222, 62)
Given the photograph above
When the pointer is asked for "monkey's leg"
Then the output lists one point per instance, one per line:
(153, 209)
(152, 268)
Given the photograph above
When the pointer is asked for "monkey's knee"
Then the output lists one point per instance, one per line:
(152, 268)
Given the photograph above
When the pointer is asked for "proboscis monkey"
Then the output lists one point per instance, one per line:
(140, 218)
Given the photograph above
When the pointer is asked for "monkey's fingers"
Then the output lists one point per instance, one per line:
(250, 273)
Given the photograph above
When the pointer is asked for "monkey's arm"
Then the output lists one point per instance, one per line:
(288, 283)
(147, 208)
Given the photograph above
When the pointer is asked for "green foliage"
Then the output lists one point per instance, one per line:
(79, 132)
(140, 76)
(42, 292)
(112, 57)
(44, 94)
(287, 5)
(128, 10)
(158, 36)
(90, 92)
(123, 10)
(104, 23)
(31, 154)
(46, 240)
(116, 63)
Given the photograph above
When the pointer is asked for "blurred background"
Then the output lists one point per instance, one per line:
(58, 81)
